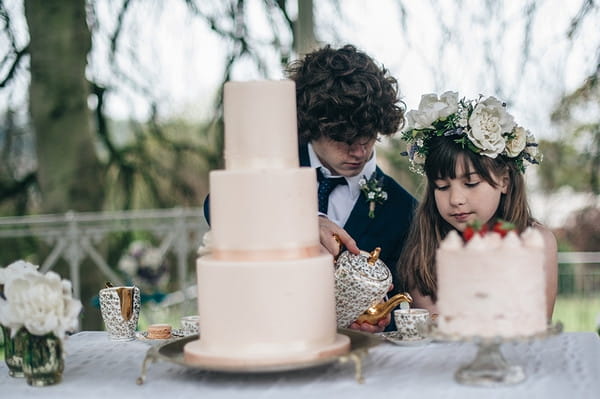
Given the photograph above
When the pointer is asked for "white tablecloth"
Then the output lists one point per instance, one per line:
(562, 366)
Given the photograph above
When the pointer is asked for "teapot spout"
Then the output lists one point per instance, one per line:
(382, 309)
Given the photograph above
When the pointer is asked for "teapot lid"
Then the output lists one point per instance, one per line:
(366, 264)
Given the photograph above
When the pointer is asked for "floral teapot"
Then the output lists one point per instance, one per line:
(361, 283)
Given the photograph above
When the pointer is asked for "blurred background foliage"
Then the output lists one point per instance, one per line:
(85, 123)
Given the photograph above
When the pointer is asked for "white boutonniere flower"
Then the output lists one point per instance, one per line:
(373, 190)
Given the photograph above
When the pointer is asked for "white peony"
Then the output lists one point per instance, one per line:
(16, 269)
(42, 303)
(517, 144)
(431, 109)
(488, 122)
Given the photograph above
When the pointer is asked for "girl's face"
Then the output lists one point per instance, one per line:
(468, 197)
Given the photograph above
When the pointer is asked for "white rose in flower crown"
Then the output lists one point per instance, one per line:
(450, 100)
(488, 122)
(431, 109)
(42, 303)
(517, 144)
(532, 150)
(506, 120)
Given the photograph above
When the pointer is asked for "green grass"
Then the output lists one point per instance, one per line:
(577, 313)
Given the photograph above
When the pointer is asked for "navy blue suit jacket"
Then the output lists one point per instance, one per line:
(388, 229)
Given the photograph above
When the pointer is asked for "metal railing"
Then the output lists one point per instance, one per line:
(76, 237)
(583, 277)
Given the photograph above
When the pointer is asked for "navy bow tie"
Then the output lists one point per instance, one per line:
(326, 186)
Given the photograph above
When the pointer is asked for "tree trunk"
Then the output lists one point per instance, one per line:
(68, 167)
(305, 30)
(68, 171)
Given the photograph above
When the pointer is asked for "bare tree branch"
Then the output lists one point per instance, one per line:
(585, 8)
(116, 34)
(15, 188)
(18, 57)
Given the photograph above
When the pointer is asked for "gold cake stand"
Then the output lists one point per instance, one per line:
(490, 368)
(172, 352)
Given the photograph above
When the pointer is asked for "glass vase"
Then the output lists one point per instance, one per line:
(13, 351)
(43, 361)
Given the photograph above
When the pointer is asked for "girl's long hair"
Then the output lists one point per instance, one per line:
(416, 264)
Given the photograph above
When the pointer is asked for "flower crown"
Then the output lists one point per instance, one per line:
(482, 125)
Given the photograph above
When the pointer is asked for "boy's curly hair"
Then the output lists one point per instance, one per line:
(344, 95)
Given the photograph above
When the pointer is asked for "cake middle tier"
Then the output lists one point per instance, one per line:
(264, 214)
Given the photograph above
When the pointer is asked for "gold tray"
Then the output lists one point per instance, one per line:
(172, 351)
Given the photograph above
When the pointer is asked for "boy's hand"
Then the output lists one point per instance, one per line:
(333, 238)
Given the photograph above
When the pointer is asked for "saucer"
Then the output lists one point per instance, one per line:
(143, 336)
(395, 338)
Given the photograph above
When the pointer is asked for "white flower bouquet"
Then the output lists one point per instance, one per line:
(40, 303)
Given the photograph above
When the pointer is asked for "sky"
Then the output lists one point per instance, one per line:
(186, 58)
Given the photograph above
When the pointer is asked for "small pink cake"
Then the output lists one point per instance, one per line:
(492, 286)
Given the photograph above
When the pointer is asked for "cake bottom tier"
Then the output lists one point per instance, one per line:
(266, 312)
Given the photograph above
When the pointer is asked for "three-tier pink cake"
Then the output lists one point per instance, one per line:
(265, 290)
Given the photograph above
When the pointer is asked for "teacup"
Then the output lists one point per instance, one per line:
(189, 325)
(120, 308)
(411, 323)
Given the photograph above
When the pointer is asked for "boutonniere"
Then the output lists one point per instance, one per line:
(372, 188)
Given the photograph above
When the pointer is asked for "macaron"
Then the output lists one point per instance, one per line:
(159, 331)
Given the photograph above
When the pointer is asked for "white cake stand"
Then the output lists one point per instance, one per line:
(489, 367)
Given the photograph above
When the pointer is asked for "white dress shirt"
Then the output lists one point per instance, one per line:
(343, 197)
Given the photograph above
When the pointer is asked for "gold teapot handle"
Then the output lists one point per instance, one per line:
(382, 309)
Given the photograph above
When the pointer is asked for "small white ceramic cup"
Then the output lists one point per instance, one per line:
(189, 325)
(410, 323)
(120, 309)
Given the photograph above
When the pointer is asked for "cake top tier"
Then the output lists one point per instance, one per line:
(530, 238)
(260, 125)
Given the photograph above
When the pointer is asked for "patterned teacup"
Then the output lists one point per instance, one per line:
(120, 308)
(189, 325)
(410, 323)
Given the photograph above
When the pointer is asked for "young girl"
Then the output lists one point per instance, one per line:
(474, 157)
